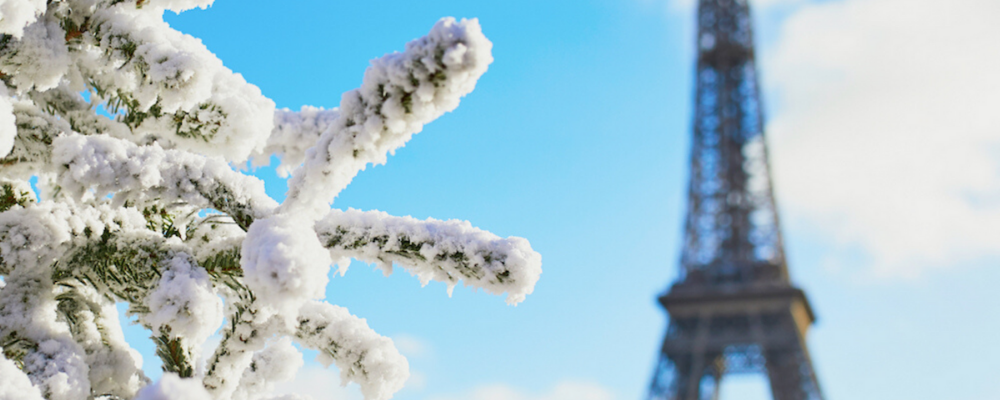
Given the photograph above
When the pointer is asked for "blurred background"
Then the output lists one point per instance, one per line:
(884, 132)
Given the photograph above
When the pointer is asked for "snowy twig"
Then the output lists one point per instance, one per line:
(446, 251)
(401, 92)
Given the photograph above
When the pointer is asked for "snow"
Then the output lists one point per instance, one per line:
(39, 59)
(16, 14)
(115, 368)
(100, 165)
(277, 363)
(26, 235)
(149, 207)
(35, 130)
(14, 384)
(56, 365)
(185, 302)
(172, 387)
(8, 129)
(294, 133)
(182, 5)
(284, 264)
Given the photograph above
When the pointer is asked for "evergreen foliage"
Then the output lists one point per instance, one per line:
(149, 208)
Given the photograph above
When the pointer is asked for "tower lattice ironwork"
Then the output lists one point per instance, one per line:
(733, 309)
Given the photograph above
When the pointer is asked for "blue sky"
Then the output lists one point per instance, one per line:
(576, 139)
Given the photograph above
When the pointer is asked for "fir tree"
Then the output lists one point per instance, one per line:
(150, 207)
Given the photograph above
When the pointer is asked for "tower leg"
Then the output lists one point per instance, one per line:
(687, 377)
(791, 374)
(711, 381)
(673, 378)
(686, 386)
(663, 377)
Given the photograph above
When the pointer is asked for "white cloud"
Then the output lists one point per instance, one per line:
(568, 390)
(416, 382)
(320, 384)
(887, 130)
(411, 346)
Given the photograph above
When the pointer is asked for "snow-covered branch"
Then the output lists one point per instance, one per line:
(32, 337)
(362, 355)
(31, 149)
(294, 133)
(175, 90)
(169, 293)
(278, 362)
(446, 251)
(401, 93)
(93, 322)
(142, 175)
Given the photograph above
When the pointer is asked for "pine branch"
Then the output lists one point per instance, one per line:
(447, 251)
(198, 181)
(176, 355)
(203, 105)
(36, 129)
(347, 341)
(224, 268)
(12, 194)
(401, 92)
(126, 267)
(15, 348)
(240, 339)
(240, 336)
(82, 308)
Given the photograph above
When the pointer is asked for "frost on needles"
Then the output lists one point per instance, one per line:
(120, 213)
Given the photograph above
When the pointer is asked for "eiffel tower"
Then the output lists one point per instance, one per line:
(733, 308)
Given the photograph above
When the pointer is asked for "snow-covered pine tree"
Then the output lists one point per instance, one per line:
(149, 207)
